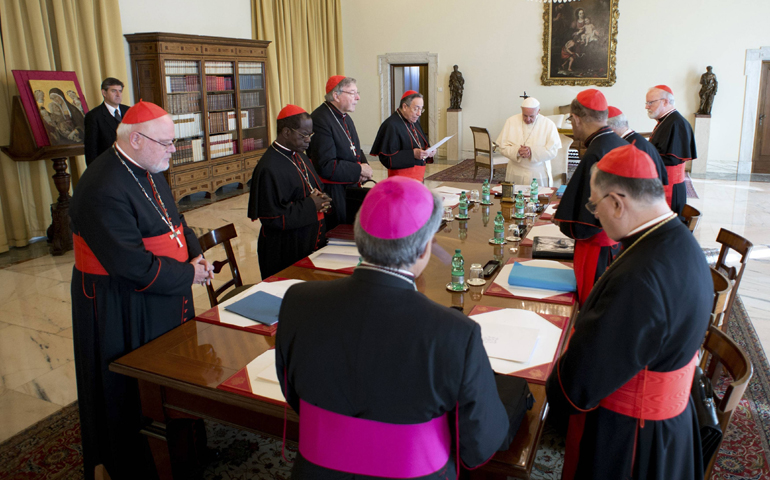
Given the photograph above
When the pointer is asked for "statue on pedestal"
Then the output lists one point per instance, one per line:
(456, 86)
(708, 90)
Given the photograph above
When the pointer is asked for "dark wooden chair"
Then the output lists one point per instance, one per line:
(722, 353)
(722, 287)
(691, 216)
(732, 241)
(223, 235)
(484, 152)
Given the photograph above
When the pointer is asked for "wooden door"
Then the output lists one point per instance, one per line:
(410, 77)
(761, 160)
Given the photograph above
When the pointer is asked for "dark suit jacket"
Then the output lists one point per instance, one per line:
(100, 130)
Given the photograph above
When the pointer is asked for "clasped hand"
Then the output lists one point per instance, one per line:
(322, 201)
(204, 271)
(525, 152)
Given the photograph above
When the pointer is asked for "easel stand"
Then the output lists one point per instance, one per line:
(24, 149)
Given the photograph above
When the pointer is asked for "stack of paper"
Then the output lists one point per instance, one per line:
(336, 256)
(449, 195)
(547, 230)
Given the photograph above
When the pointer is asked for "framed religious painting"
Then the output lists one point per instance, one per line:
(54, 105)
(580, 41)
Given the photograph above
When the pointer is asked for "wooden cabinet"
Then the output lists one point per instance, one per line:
(216, 91)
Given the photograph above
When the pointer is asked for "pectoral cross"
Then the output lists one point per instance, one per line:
(353, 149)
(175, 236)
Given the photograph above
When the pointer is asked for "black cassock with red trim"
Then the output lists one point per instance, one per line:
(123, 296)
(675, 141)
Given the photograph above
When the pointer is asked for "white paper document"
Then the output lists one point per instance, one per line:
(524, 324)
(443, 141)
(507, 343)
(550, 209)
(336, 257)
(549, 230)
(273, 288)
(262, 383)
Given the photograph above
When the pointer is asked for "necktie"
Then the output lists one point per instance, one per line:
(117, 114)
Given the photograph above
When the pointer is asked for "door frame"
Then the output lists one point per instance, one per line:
(753, 73)
(427, 99)
(383, 66)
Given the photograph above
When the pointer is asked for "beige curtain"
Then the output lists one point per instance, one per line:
(306, 50)
(84, 36)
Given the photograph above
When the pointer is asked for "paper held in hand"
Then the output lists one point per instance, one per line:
(434, 148)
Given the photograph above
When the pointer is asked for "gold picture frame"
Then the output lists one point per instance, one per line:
(580, 42)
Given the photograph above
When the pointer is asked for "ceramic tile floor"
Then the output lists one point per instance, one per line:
(37, 375)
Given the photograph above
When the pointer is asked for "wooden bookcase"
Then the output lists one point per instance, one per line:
(215, 88)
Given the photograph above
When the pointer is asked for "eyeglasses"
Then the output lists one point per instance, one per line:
(649, 104)
(306, 137)
(569, 119)
(591, 206)
(355, 94)
(172, 143)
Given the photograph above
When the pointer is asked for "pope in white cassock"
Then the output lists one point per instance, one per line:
(530, 141)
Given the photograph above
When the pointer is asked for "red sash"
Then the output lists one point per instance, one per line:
(675, 176)
(647, 396)
(162, 246)
(367, 447)
(416, 172)
(586, 257)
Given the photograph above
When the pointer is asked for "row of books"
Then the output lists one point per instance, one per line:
(188, 151)
(220, 101)
(223, 145)
(250, 67)
(219, 68)
(251, 99)
(187, 125)
(181, 67)
(221, 122)
(253, 118)
(188, 83)
(250, 144)
(183, 103)
(250, 82)
(214, 84)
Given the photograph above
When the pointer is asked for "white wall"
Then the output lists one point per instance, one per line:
(224, 18)
(498, 45)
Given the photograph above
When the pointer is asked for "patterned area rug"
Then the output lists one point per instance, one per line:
(51, 449)
(691, 193)
(463, 172)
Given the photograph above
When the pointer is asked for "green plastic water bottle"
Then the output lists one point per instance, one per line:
(499, 228)
(458, 271)
(485, 193)
(463, 211)
(533, 190)
(519, 205)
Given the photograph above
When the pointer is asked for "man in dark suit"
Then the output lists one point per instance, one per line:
(102, 122)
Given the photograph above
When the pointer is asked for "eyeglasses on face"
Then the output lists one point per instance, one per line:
(649, 104)
(355, 94)
(172, 143)
(306, 137)
(591, 206)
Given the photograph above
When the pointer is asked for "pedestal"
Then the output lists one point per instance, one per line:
(702, 130)
(60, 233)
(454, 126)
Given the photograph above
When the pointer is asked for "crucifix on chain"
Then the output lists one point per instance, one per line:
(175, 236)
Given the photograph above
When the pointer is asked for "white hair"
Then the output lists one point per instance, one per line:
(663, 94)
(618, 121)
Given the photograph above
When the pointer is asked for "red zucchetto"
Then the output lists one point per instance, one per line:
(593, 99)
(333, 81)
(665, 88)
(289, 111)
(143, 112)
(613, 112)
(407, 93)
(629, 162)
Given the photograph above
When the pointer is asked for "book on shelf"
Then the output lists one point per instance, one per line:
(181, 67)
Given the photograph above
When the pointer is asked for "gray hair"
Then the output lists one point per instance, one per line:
(398, 252)
(408, 99)
(343, 83)
(645, 190)
(578, 110)
(663, 94)
(124, 131)
(618, 121)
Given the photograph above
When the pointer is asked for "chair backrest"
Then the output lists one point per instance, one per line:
(732, 241)
(559, 164)
(221, 235)
(482, 142)
(722, 289)
(557, 120)
(691, 216)
(721, 352)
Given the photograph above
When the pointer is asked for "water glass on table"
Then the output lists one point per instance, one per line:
(476, 275)
(448, 215)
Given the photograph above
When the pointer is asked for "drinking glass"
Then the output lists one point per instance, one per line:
(513, 233)
(476, 275)
(448, 215)
(475, 196)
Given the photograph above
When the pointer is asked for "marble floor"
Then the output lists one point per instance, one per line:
(37, 374)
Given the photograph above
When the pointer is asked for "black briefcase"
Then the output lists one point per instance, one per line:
(354, 197)
(517, 399)
(706, 410)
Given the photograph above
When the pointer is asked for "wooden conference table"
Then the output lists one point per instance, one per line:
(179, 372)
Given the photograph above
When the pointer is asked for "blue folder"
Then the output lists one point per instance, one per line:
(260, 306)
(559, 279)
(560, 190)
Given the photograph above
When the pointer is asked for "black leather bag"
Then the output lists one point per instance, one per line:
(354, 197)
(517, 399)
(706, 410)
